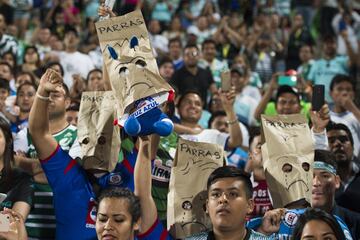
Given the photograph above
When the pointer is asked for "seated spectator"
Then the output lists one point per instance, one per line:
(15, 183)
(31, 60)
(317, 224)
(344, 110)
(166, 68)
(325, 182)
(341, 143)
(175, 52)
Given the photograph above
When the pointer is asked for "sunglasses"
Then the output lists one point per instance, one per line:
(342, 139)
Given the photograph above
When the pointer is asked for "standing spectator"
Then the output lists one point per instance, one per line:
(39, 225)
(190, 76)
(341, 144)
(306, 54)
(201, 29)
(175, 52)
(7, 42)
(31, 60)
(175, 30)
(299, 36)
(158, 41)
(324, 69)
(344, 110)
(247, 96)
(95, 80)
(210, 61)
(41, 40)
(7, 72)
(166, 68)
(72, 60)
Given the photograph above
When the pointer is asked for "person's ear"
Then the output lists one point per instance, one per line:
(137, 224)
(337, 181)
(251, 205)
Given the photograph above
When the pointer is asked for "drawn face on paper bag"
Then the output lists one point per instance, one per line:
(133, 71)
(294, 176)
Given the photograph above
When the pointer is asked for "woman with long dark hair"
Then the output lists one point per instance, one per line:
(15, 185)
(317, 224)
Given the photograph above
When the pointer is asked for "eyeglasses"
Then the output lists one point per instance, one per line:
(342, 139)
(192, 53)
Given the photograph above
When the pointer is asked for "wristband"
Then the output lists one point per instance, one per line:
(42, 97)
(232, 121)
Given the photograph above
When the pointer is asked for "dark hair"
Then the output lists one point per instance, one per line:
(164, 60)
(231, 172)
(69, 29)
(325, 156)
(215, 115)
(37, 53)
(189, 91)
(4, 84)
(328, 38)
(253, 132)
(208, 41)
(92, 71)
(339, 78)
(191, 46)
(175, 39)
(286, 89)
(50, 64)
(308, 45)
(66, 89)
(73, 107)
(124, 193)
(319, 215)
(32, 78)
(26, 84)
(8, 157)
(13, 56)
(339, 126)
(9, 66)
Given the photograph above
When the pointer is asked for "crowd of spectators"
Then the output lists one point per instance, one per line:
(194, 42)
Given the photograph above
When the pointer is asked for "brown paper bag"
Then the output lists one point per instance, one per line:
(98, 137)
(288, 154)
(193, 163)
(130, 63)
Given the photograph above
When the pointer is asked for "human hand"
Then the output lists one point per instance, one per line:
(104, 11)
(51, 81)
(273, 85)
(320, 119)
(228, 99)
(271, 221)
(17, 226)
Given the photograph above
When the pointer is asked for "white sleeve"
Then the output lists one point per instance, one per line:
(21, 141)
(75, 150)
(320, 140)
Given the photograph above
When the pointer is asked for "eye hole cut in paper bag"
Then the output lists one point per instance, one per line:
(131, 65)
(98, 137)
(288, 155)
(193, 163)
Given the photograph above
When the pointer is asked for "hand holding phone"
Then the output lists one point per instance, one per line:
(225, 81)
(318, 97)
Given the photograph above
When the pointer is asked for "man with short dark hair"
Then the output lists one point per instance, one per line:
(175, 52)
(344, 110)
(229, 201)
(341, 143)
(325, 182)
(190, 76)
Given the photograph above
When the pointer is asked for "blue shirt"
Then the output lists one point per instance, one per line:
(323, 71)
(289, 221)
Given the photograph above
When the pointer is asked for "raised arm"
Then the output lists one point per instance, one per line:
(266, 97)
(44, 142)
(228, 99)
(142, 175)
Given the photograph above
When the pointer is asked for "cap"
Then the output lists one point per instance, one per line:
(238, 69)
(286, 89)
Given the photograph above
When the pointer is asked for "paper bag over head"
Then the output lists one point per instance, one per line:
(130, 63)
(288, 154)
(98, 137)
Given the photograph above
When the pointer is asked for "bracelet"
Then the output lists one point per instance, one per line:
(232, 121)
(42, 97)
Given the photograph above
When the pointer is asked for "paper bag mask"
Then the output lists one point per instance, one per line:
(98, 137)
(288, 154)
(193, 163)
(130, 63)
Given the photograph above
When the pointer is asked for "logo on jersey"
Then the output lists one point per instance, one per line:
(115, 179)
(291, 219)
(91, 216)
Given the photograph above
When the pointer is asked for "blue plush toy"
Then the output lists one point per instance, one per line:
(147, 119)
